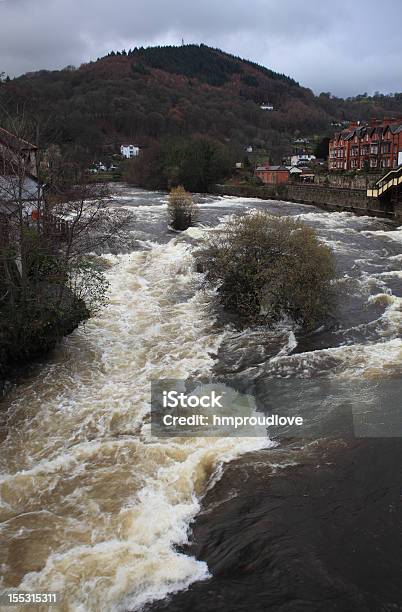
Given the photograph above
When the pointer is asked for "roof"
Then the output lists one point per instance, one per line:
(361, 131)
(15, 142)
(278, 168)
(271, 168)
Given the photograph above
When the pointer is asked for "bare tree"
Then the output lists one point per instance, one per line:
(20, 195)
(52, 221)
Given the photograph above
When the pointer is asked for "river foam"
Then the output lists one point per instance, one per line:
(92, 506)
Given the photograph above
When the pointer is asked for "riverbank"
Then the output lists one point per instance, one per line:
(25, 337)
(328, 198)
(322, 535)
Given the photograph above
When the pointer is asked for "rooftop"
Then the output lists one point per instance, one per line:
(15, 142)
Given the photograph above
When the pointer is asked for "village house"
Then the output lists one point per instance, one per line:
(302, 158)
(17, 151)
(272, 175)
(18, 171)
(294, 170)
(129, 150)
(20, 190)
(267, 106)
(301, 174)
(373, 147)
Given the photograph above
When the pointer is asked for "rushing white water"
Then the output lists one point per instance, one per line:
(91, 505)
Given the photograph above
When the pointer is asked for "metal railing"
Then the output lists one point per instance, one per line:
(393, 178)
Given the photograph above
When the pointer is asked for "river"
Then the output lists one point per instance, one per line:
(94, 507)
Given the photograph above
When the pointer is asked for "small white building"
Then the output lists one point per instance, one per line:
(294, 170)
(129, 150)
(267, 106)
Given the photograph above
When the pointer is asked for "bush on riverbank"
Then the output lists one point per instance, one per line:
(50, 280)
(26, 334)
(181, 209)
(268, 267)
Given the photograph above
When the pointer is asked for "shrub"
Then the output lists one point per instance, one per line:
(268, 267)
(181, 208)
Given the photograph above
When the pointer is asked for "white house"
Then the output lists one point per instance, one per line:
(129, 150)
(267, 106)
(304, 158)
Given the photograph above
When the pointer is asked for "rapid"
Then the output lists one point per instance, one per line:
(92, 506)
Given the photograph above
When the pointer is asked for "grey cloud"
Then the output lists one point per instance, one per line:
(327, 46)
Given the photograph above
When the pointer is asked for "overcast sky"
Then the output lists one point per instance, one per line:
(343, 46)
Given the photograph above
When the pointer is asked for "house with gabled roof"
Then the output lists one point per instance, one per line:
(272, 175)
(18, 170)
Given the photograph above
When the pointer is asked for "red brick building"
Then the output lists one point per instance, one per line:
(272, 175)
(374, 147)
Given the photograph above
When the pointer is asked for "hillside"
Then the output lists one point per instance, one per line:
(151, 94)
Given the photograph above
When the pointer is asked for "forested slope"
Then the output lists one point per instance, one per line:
(143, 95)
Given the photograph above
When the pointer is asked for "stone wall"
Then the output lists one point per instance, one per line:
(332, 198)
(339, 198)
(358, 181)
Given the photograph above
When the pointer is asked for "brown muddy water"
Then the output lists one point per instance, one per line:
(95, 508)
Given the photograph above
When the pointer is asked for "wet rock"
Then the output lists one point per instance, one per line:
(320, 536)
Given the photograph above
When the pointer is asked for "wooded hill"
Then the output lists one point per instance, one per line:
(151, 94)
